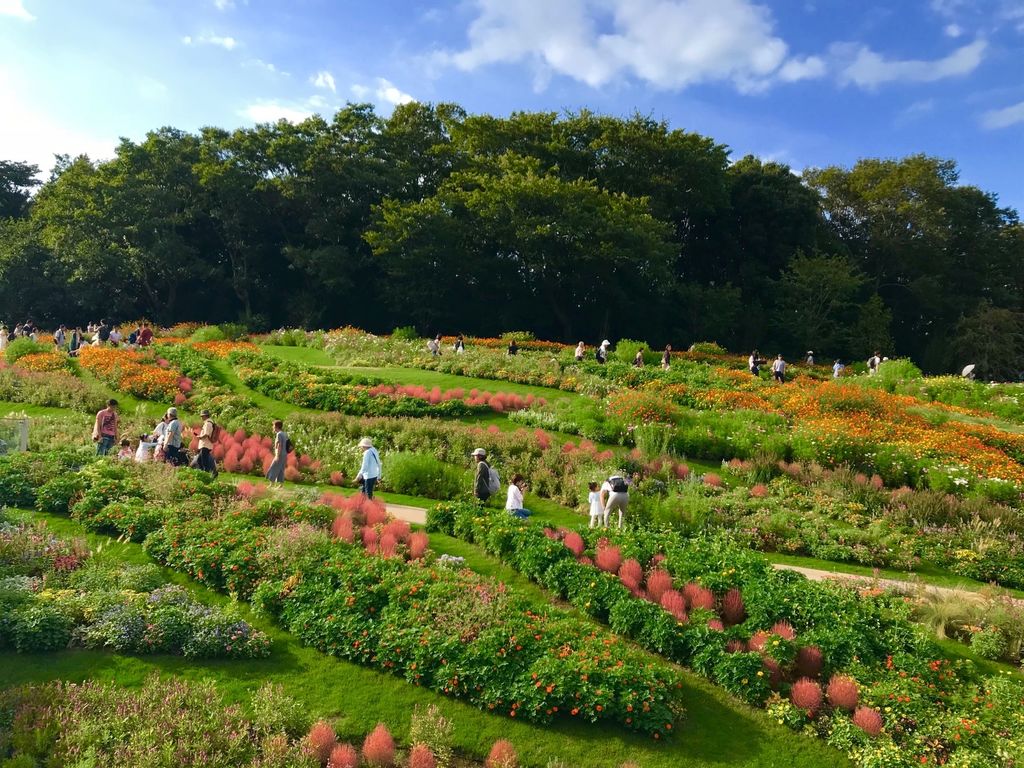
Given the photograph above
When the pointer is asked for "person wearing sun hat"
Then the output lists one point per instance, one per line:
(369, 472)
(484, 486)
(601, 355)
(172, 438)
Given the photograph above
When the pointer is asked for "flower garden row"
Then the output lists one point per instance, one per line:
(811, 652)
(53, 595)
(453, 632)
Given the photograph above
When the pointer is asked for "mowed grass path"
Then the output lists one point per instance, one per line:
(717, 732)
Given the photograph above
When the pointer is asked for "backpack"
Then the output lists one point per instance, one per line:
(493, 481)
(288, 447)
(618, 484)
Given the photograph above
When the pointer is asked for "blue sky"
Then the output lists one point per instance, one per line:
(806, 82)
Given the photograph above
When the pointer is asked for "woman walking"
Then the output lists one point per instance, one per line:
(369, 472)
(281, 444)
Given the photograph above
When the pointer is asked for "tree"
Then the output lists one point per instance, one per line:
(17, 180)
(993, 339)
(817, 299)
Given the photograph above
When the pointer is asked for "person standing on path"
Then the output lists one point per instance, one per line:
(207, 437)
(369, 472)
(172, 438)
(482, 478)
(873, 362)
(596, 506)
(514, 500)
(104, 431)
(666, 358)
(779, 369)
(837, 368)
(275, 474)
(614, 497)
(581, 350)
(513, 348)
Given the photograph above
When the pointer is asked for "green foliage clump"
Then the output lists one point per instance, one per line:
(405, 333)
(419, 474)
(22, 346)
(208, 333)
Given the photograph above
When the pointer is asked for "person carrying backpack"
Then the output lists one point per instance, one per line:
(614, 497)
(873, 362)
(207, 438)
(369, 472)
(486, 482)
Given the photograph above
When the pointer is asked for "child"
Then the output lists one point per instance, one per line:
(596, 512)
(126, 453)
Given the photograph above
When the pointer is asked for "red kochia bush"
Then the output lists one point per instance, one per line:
(502, 755)
(658, 583)
(420, 756)
(806, 694)
(784, 630)
(842, 692)
(321, 741)
(674, 603)
(574, 542)
(631, 573)
(809, 661)
(758, 641)
(343, 756)
(733, 610)
(868, 720)
(608, 557)
(379, 747)
(699, 597)
(418, 543)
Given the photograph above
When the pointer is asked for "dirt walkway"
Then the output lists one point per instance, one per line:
(414, 515)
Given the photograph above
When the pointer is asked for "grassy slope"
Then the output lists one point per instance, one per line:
(718, 731)
(451, 381)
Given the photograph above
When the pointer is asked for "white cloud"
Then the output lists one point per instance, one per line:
(223, 5)
(266, 66)
(324, 79)
(360, 91)
(1003, 118)
(227, 43)
(30, 135)
(15, 8)
(387, 93)
(915, 111)
(868, 69)
(272, 111)
(953, 30)
(667, 43)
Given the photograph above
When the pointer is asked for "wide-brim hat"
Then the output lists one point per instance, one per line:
(365, 443)
(478, 452)
(204, 413)
(606, 343)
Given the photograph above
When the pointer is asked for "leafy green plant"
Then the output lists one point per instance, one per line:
(22, 346)
(209, 333)
(405, 333)
(418, 474)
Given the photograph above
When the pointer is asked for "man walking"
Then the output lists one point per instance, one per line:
(779, 370)
(104, 431)
(369, 472)
(207, 438)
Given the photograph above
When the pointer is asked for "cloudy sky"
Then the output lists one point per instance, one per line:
(806, 82)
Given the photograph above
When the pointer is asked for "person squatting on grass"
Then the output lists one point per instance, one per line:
(614, 497)
(514, 501)
(369, 472)
(276, 472)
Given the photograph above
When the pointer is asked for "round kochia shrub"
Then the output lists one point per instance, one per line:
(322, 741)
(806, 694)
(379, 747)
(843, 693)
(343, 756)
(420, 756)
(502, 755)
(868, 720)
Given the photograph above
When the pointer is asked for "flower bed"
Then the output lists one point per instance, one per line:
(223, 349)
(45, 361)
(771, 637)
(136, 373)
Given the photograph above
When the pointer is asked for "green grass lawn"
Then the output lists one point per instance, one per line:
(718, 730)
(304, 355)
(451, 381)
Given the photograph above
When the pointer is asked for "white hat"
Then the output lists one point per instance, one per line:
(478, 452)
(606, 343)
(365, 443)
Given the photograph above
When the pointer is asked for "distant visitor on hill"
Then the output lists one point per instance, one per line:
(434, 345)
(581, 350)
(873, 362)
(754, 363)
(513, 348)
(602, 352)
(638, 361)
(666, 358)
(837, 368)
(207, 437)
(104, 430)
(486, 482)
(281, 445)
(810, 357)
(370, 469)
(459, 346)
(779, 369)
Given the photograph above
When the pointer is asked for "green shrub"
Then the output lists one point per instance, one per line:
(518, 336)
(56, 496)
(232, 331)
(626, 349)
(989, 643)
(41, 627)
(20, 347)
(418, 474)
(405, 333)
(893, 373)
(209, 333)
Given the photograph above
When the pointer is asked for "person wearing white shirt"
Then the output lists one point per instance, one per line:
(837, 368)
(614, 497)
(369, 472)
(581, 350)
(779, 370)
(514, 501)
(596, 509)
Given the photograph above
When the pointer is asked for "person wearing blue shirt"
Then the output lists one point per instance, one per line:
(369, 472)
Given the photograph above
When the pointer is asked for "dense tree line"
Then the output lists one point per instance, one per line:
(572, 226)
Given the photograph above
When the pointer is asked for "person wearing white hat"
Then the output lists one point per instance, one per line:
(485, 482)
(369, 472)
(810, 357)
(172, 438)
(602, 352)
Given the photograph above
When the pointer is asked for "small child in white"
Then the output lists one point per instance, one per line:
(596, 511)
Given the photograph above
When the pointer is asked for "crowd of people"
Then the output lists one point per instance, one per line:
(70, 340)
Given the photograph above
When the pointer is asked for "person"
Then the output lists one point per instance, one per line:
(145, 335)
(596, 508)
(513, 348)
(159, 437)
(102, 333)
(115, 336)
(602, 352)
(614, 497)
(873, 362)
(3, 337)
(581, 350)
(434, 345)
(779, 369)
(460, 345)
(75, 342)
(369, 471)
(514, 500)
(638, 361)
(754, 363)
(207, 437)
(126, 453)
(172, 438)
(837, 368)
(133, 338)
(59, 337)
(104, 431)
(275, 474)
(666, 358)
(147, 448)
(482, 478)
(810, 357)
